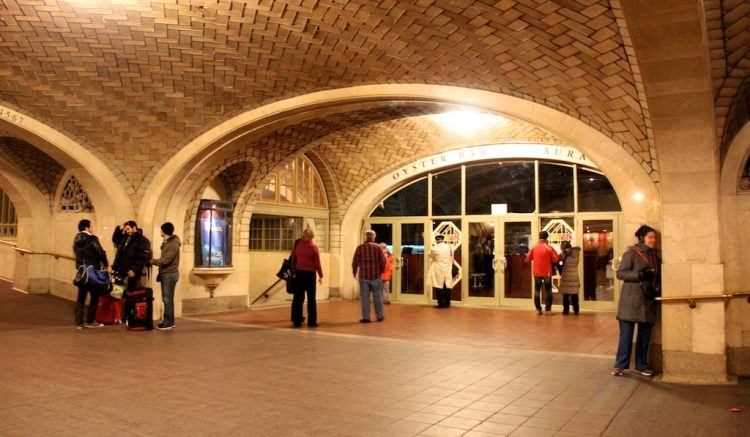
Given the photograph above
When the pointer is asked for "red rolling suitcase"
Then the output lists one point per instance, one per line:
(109, 310)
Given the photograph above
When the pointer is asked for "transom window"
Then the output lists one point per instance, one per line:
(298, 183)
(503, 187)
(271, 233)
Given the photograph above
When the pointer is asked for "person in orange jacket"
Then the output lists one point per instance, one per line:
(387, 274)
(543, 257)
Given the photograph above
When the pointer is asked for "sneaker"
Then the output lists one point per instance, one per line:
(645, 372)
(163, 327)
(94, 325)
(364, 320)
(538, 312)
(79, 326)
(381, 319)
(617, 372)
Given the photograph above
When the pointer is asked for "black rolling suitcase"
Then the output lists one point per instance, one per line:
(139, 308)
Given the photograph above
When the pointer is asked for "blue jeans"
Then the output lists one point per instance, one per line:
(625, 347)
(168, 284)
(366, 286)
(547, 282)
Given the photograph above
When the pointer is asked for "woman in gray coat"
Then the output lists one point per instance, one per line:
(639, 270)
(570, 284)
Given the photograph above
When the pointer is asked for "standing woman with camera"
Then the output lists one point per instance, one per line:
(640, 270)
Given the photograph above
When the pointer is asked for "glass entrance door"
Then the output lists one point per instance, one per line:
(515, 281)
(405, 241)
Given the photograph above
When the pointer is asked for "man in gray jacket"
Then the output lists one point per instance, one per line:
(169, 273)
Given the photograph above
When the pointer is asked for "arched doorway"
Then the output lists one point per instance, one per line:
(491, 202)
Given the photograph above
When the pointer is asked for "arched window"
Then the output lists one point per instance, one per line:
(8, 221)
(74, 198)
(298, 183)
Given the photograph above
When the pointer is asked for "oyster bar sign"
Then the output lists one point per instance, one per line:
(494, 151)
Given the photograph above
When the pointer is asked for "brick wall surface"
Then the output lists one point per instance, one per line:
(136, 81)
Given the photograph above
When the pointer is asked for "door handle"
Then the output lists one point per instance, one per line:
(397, 263)
(500, 262)
(494, 263)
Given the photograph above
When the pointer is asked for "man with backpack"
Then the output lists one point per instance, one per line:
(133, 253)
(88, 252)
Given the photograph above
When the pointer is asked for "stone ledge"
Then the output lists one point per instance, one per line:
(695, 368)
(214, 305)
(738, 361)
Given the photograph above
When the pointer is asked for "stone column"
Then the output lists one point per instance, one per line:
(670, 44)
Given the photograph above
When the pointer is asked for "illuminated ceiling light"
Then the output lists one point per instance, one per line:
(638, 197)
(466, 121)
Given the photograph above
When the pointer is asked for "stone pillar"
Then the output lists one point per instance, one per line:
(670, 44)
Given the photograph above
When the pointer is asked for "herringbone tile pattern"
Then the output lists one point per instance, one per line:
(135, 80)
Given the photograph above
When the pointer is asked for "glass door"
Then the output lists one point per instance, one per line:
(405, 241)
(515, 285)
(410, 261)
(480, 274)
(599, 247)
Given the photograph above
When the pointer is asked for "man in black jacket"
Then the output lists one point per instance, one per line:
(88, 252)
(133, 252)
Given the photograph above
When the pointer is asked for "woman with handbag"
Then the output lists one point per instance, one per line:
(640, 271)
(306, 263)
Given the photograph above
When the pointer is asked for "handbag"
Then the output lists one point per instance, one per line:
(98, 277)
(81, 276)
(118, 288)
(651, 291)
(286, 272)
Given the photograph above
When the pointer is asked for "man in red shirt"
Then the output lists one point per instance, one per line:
(369, 260)
(543, 257)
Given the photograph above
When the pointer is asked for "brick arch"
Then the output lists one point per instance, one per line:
(259, 132)
(98, 178)
(191, 213)
(41, 169)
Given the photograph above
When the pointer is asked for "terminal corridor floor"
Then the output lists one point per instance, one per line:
(217, 378)
(591, 333)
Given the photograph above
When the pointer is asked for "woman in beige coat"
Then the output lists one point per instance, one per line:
(570, 284)
(440, 272)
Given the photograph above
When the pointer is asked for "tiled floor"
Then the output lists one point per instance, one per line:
(591, 333)
(217, 378)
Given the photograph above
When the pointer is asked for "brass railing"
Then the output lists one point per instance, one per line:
(34, 252)
(8, 243)
(692, 301)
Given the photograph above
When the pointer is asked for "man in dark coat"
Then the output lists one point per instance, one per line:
(88, 252)
(133, 253)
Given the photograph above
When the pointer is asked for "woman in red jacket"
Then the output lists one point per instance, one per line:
(307, 262)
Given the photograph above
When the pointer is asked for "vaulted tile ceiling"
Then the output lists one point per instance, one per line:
(138, 78)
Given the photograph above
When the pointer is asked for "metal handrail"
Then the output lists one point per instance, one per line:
(34, 252)
(692, 301)
(9, 243)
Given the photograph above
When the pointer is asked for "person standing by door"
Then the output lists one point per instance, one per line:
(543, 256)
(440, 274)
(387, 274)
(570, 285)
(369, 262)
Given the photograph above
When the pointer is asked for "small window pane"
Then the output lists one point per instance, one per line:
(319, 197)
(555, 188)
(269, 191)
(446, 193)
(408, 201)
(509, 184)
(595, 193)
(303, 182)
(286, 184)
